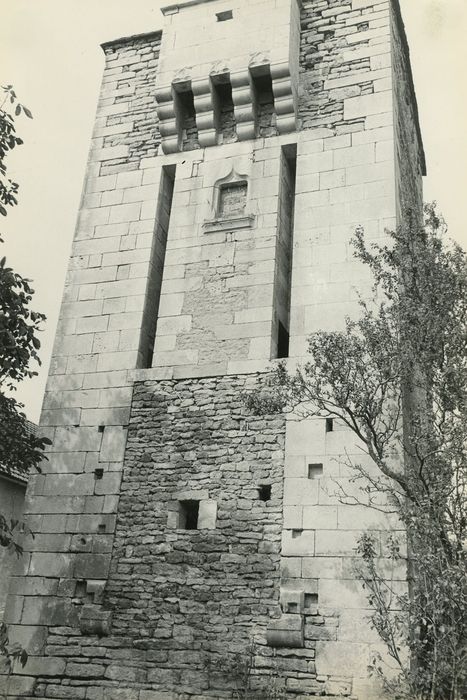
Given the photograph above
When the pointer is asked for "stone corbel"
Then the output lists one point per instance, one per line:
(244, 107)
(167, 120)
(288, 630)
(204, 109)
(284, 98)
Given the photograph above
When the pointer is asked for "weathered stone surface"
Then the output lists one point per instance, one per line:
(182, 599)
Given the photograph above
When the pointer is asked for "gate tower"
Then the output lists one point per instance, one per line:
(233, 155)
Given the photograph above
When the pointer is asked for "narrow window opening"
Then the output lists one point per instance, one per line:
(265, 115)
(224, 113)
(98, 473)
(101, 527)
(101, 428)
(284, 243)
(292, 607)
(264, 492)
(232, 200)
(224, 16)
(296, 533)
(186, 119)
(282, 341)
(188, 515)
(310, 600)
(315, 471)
(329, 425)
(156, 268)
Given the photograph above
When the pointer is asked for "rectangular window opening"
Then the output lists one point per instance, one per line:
(329, 425)
(264, 492)
(98, 473)
(284, 246)
(224, 16)
(296, 533)
(188, 512)
(224, 112)
(186, 119)
(292, 607)
(265, 114)
(156, 267)
(315, 471)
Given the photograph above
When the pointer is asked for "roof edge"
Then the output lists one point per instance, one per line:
(406, 48)
(132, 37)
(177, 6)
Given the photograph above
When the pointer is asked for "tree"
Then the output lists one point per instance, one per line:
(397, 378)
(20, 451)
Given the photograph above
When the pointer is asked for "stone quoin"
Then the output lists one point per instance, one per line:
(234, 153)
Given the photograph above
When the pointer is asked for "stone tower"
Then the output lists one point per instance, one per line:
(233, 155)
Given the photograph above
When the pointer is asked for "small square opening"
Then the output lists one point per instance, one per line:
(296, 533)
(98, 473)
(224, 16)
(329, 425)
(101, 428)
(292, 607)
(80, 589)
(310, 600)
(315, 471)
(264, 492)
(188, 512)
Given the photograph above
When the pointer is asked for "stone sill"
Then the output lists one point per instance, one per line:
(228, 224)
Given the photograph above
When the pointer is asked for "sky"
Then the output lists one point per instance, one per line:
(50, 51)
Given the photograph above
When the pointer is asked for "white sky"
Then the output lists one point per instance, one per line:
(49, 50)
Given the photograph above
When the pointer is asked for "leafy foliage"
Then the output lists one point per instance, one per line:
(20, 451)
(8, 141)
(10, 654)
(397, 378)
(238, 667)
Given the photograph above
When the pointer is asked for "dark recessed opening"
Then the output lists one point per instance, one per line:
(311, 599)
(224, 111)
(296, 533)
(153, 293)
(188, 512)
(264, 492)
(101, 528)
(329, 425)
(185, 107)
(101, 428)
(98, 473)
(292, 607)
(224, 16)
(282, 341)
(264, 103)
(80, 589)
(315, 471)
